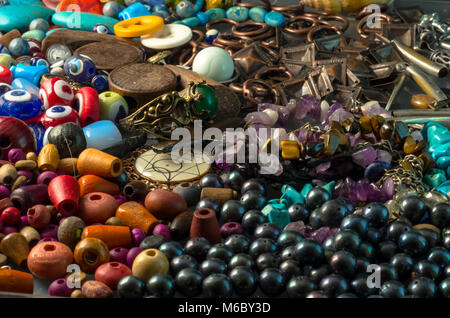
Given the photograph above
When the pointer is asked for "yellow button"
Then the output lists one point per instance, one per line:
(138, 26)
(290, 150)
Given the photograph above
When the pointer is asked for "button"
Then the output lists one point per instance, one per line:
(139, 26)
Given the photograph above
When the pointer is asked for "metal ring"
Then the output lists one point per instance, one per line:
(336, 17)
(265, 4)
(220, 20)
(226, 39)
(317, 28)
(195, 48)
(260, 28)
(302, 30)
(294, 8)
(248, 90)
(200, 34)
(362, 22)
(261, 74)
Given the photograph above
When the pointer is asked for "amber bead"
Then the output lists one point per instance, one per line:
(386, 130)
(400, 132)
(90, 253)
(421, 101)
(377, 122)
(351, 125)
(409, 145)
(366, 126)
(331, 141)
(426, 160)
(290, 150)
(16, 248)
(149, 263)
(49, 260)
(14, 281)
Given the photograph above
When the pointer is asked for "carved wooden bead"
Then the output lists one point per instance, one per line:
(96, 207)
(90, 253)
(48, 158)
(91, 183)
(16, 248)
(49, 260)
(149, 263)
(113, 236)
(39, 216)
(135, 215)
(69, 231)
(15, 281)
(221, 195)
(95, 289)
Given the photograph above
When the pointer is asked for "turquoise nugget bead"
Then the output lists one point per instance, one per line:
(257, 14)
(191, 22)
(239, 14)
(440, 150)
(443, 162)
(215, 13)
(275, 19)
(290, 196)
(203, 17)
(434, 180)
(279, 217)
(329, 187)
(272, 205)
(306, 188)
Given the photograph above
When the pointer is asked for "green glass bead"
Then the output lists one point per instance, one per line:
(434, 180)
(208, 102)
(216, 13)
(279, 217)
(38, 35)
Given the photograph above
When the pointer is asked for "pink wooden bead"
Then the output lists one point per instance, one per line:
(138, 236)
(132, 253)
(163, 230)
(60, 288)
(231, 228)
(118, 254)
(9, 229)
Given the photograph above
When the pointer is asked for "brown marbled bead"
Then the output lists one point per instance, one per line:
(366, 127)
(421, 101)
(90, 253)
(386, 130)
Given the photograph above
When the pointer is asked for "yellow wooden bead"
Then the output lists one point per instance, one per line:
(138, 26)
(290, 150)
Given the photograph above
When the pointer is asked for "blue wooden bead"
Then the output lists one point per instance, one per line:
(275, 19)
(101, 28)
(80, 68)
(216, 13)
(18, 47)
(20, 104)
(239, 14)
(112, 9)
(133, 11)
(39, 24)
(203, 17)
(257, 14)
(185, 9)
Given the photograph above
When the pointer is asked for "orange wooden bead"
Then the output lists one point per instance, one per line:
(99, 163)
(89, 6)
(91, 183)
(113, 236)
(90, 253)
(49, 260)
(16, 281)
(136, 215)
(96, 207)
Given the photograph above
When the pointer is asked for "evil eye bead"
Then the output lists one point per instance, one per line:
(58, 115)
(57, 52)
(39, 24)
(5, 88)
(35, 46)
(80, 68)
(112, 106)
(211, 35)
(56, 91)
(36, 61)
(20, 104)
(100, 83)
(101, 28)
(18, 47)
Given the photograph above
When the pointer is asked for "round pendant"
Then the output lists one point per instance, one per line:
(171, 36)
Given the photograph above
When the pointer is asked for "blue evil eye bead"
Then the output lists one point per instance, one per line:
(18, 47)
(112, 9)
(3, 49)
(39, 24)
(257, 14)
(275, 19)
(239, 14)
(20, 104)
(185, 9)
(100, 83)
(36, 61)
(4, 87)
(57, 52)
(101, 28)
(80, 68)
(211, 35)
(39, 132)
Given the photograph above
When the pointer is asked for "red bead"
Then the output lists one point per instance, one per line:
(58, 115)
(15, 134)
(39, 55)
(111, 273)
(10, 216)
(64, 192)
(5, 75)
(87, 105)
(56, 91)
(39, 216)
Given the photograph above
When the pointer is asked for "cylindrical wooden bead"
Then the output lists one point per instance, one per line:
(135, 215)
(149, 263)
(8, 174)
(31, 235)
(90, 253)
(91, 183)
(14, 281)
(165, 205)
(48, 158)
(25, 197)
(49, 260)
(113, 236)
(221, 195)
(97, 207)
(181, 225)
(69, 166)
(111, 273)
(39, 216)
(16, 248)
(204, 224)
(135, 190)
(99, 163)
(69, 231)
(64, 192)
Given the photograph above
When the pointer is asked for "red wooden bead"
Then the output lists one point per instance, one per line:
(56, 91)
(87, 105)
(10, 216)
(14, 133)
(39, 216)
(58, 115)
(111, 273)
(64, 192)
(5, 75)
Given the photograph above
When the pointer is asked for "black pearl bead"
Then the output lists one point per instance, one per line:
(348, 204)
(238, 243)
(266, 260)
(171, 249)
(343, 263)
(392, 289)
(152, 241)
(252, 219)
(413, 208)
(361, 264)
(183, 261)
(209, 203)
(299, 286)
(328, 247)
(267, 230)
(347, 295)
(316, 294)
(191, 192)
(131, 287)
(315, 221)
(403, 264)
(446, 242)
(387, 272)
(290, 268)
(241, 260)
(288, 238)
(413, 243)
(243, 280)
(377, 214)
(317, 274)
(253, 200)
(217, 286)
(426, 269)
(373, 235)
(422, 287)
(235, 180)
(161, 286)
(262, 245)
(211, 266)
(316, 197)
(347, 240)
(69, 139)
(431, 236)
(333, 285)
(439, 256)
(332, 213)
(211, 180)
(189, 282)
(309, 252)
(397, 228)
(197, 247)
(440, 215)
(366, 250)
(356, 223)
(298, 212)
(385, 250)
(253, 185)
(288, 253)
(444, 288)
(272, 282)
(220, 251)
(360, 287)
(232, 211)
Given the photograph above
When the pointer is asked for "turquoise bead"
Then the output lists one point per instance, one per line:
(178, 22)
(434, 180)
(448, 172)
(275, 19)
(19, 16)
(216, 13)
(439, 151)
(239, 14)
(29, 2)
(82, 21)
(435, 133)
(272, 205)
(279, 217)
(443, 162)
(257, 14)
(38, 35)
(290, 196)
(191, 22)
(329, 187)
(203, 17)
(306, 188)
(102, 135)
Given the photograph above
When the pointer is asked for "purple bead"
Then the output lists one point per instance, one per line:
(16, 154)
(27, 174)
(120, 199)
(376, 194)
(23, 222)
(307, 104)
(47, 239)
(163, 230)
(258, 117)
(118, 254)
(4, 192)
(1, 225)
(138, 236)
(384, 156)
(323, 233)
(388, 188)
(45, 177)
(231, 228)
(340, 115)
(362, 190)
(50, 230)
(365, 156)
(132, 253)
(60, 288)
(373, 108)
(9, 229)
(332, 109)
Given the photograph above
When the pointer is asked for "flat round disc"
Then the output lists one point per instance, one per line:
(171, 36)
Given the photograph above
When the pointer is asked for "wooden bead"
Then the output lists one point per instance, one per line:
(97, 207)
(48, 159)
(114, 221)
(221, 195)
(69, 231)
(90, 253)
(136, 190)
(5, 203)
(39, 216)
(14, 281)
(149, 263)
(165, 205)
(25, 164)
(68, 138)
(99, 163)
(77, 294)
(8, 174)
(31, 235)
(135, 215)
(181, 225)
(31, 156)
(16, 134)
(49, 260)
(64, 193)
(20, 182)
(95, 289)
(205, 224)
(113, 236)
(69, 166)
(15, 247)
(91, 183)
(111, 273)
(25, 197)
(3, 259)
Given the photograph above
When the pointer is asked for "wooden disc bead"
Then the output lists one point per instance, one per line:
(49, 260)
(90, 253)
(149, 263)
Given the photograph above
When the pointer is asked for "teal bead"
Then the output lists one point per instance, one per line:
(15, 16)
(448, 172)
(329, 187)
(192, 22)
(272, 205)
(29, 2)
(257, 14)
(306, 188)
(203, 17)
(178, 22)
(439, 151)
(239, 14)
(275, 19)
(443, 162)
(434, 180)
(38, 35)
(82, 21)
(279, 217)
(444, 188)
(435, 133)
(431, 126)
(216, 13)
(290, 196)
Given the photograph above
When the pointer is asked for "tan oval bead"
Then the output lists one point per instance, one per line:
(31, 235)
(149, 263)
(8, 174)
(31, 156)
(96, 289)
(25, 164)
(15, 247)
(20, 181)
(114, 220)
